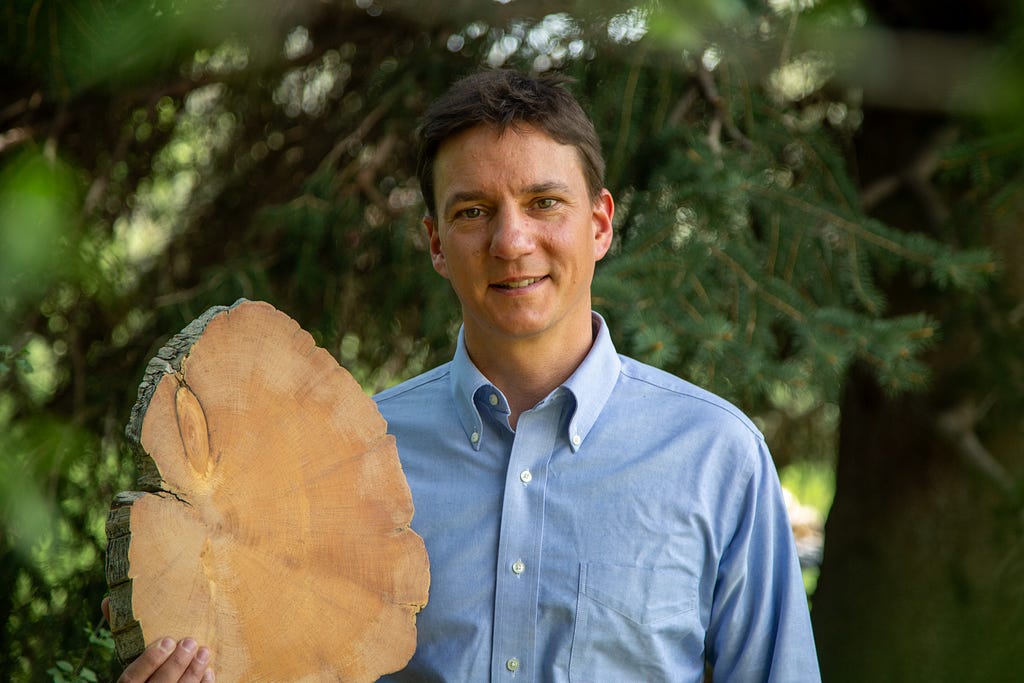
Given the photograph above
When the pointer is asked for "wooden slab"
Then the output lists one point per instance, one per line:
(272, 521)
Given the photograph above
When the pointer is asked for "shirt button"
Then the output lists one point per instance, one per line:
(525, 476)
(474, 437)
(518, 567)
(576, 439)
(493, 398)
(512, 664)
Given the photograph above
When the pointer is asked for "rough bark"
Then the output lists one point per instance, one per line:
(922, 569)
(272, 520)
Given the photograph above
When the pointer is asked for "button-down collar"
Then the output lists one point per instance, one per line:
(590, 386)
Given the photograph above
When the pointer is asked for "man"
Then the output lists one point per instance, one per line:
(587, 517)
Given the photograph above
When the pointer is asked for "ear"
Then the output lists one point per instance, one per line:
(436, 252)
(603, 212)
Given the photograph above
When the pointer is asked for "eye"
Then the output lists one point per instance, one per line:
(546, 203)
(471, 213)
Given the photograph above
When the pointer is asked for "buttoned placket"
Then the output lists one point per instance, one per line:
(517, 583)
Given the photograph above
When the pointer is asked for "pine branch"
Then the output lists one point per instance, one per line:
(626, 115)
(858, 284)
(754, 287)
(852, 227)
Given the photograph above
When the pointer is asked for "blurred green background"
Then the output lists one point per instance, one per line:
(819, 211)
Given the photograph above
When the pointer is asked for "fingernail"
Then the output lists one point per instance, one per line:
(167, 644)
(203, 655)
(188, 645)
(208, 676)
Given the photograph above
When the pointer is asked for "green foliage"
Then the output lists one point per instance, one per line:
(38, 197)
(770, 262)
(76, 46)
(64, 671)
(13, 361)
(812, 483)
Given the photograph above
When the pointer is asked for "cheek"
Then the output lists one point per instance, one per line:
(583, 252)
(465, 250)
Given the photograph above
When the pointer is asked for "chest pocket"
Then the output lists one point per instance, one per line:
(637, 621)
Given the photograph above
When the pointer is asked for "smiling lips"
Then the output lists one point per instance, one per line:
(517, 284)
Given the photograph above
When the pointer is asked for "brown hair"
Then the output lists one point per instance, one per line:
(503, 98)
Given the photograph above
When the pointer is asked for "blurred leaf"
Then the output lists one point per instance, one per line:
(38, 213)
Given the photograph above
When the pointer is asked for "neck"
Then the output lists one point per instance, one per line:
(527, 370)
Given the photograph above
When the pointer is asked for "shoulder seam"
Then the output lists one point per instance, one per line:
(721, 404)
(413, 383)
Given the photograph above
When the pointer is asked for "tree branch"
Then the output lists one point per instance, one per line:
(14, 137)
(711, 94)
(755, 287)
(957, 425)
(916, 176)
(355, 138)
(366, 176)
(21, 106)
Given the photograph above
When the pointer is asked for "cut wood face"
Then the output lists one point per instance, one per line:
(274, 525)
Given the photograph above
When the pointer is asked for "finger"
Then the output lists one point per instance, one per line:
(197, 671)
(176, 668)
(154, 657)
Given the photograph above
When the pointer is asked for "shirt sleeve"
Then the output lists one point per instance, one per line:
(760, 629)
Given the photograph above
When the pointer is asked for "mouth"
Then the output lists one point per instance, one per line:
(517, 284)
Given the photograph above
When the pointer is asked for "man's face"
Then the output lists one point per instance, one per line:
(517, 235)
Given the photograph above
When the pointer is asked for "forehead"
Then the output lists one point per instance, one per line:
(518, 154)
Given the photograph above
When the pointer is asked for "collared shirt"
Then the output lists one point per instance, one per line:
(630, 527)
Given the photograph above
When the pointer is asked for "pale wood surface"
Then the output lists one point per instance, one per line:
(273, 520)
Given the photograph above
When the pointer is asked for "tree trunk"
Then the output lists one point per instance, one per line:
(922, 573)
(923, 570)
(273, 521)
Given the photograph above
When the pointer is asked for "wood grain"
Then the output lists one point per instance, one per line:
(272, 520)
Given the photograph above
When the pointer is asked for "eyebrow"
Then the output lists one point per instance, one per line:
(475, 195)
(459, 197)
(550, 186)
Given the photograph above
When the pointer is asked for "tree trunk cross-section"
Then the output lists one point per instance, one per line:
(273, 520)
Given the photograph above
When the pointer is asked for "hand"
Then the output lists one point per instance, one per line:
(166, 661)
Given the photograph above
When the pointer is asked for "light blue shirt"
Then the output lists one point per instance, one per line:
(631, 527)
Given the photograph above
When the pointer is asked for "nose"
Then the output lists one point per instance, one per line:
(511, 234)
